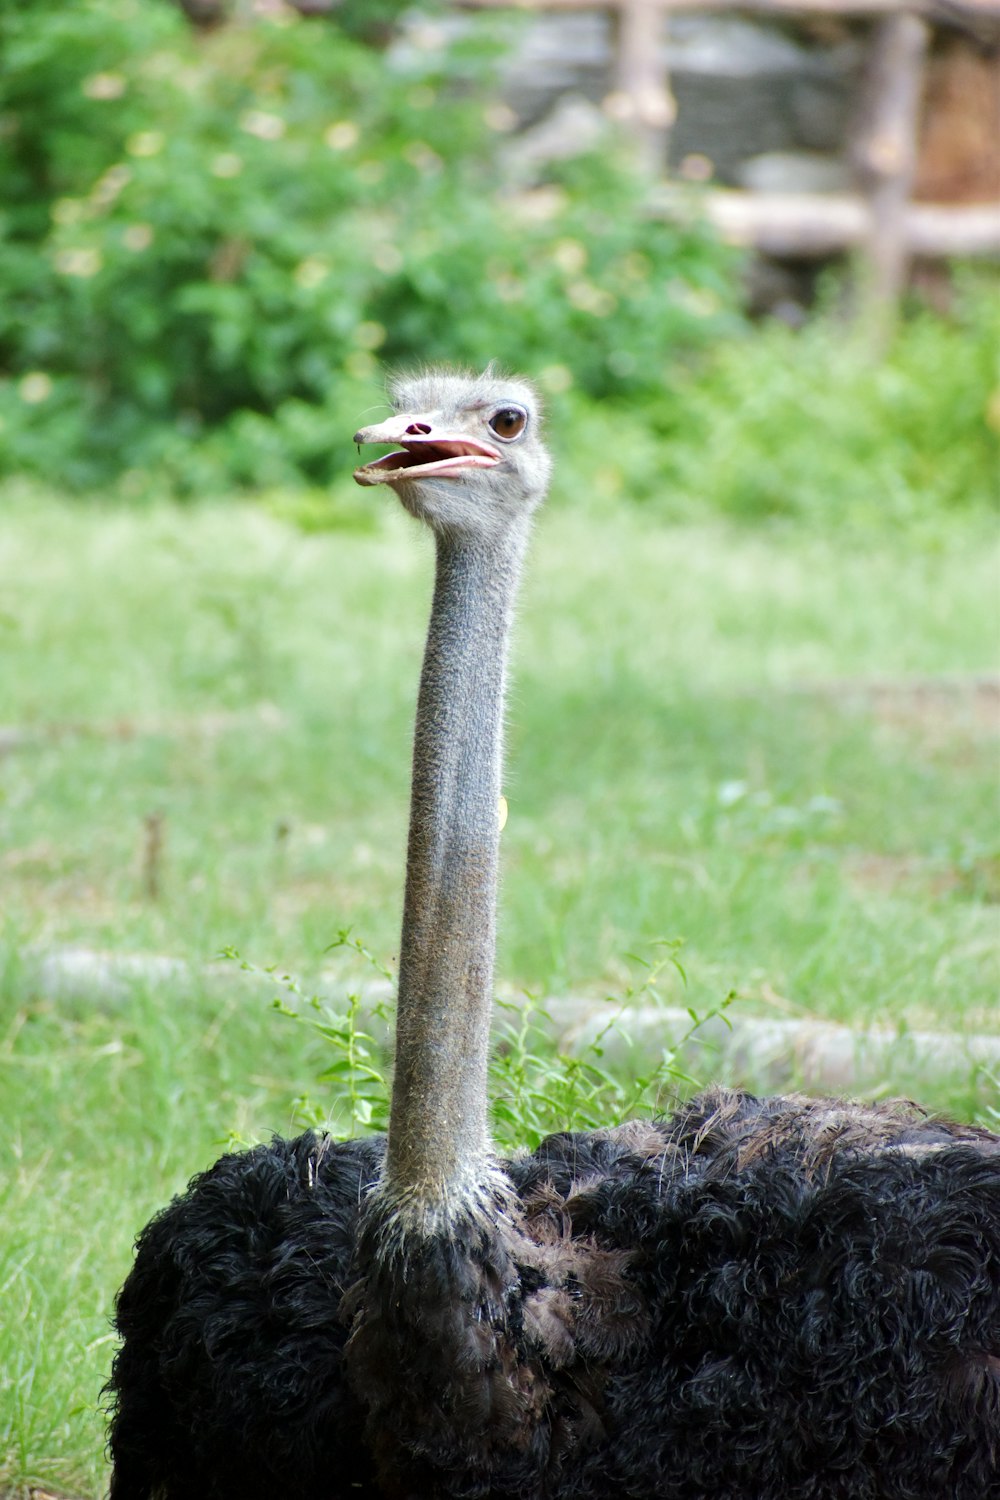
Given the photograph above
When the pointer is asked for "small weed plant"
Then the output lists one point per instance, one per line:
(355, 1072)
(536, 1088)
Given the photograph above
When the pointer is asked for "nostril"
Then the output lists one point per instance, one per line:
(418, 429)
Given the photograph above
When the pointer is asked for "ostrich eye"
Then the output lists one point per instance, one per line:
(509, 422)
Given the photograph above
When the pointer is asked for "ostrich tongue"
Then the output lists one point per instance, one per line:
(424, 452)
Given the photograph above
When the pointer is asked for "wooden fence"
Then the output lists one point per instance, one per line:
(878, 220)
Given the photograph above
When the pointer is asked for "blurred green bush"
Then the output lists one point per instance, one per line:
(210, 242)
(208, 239)
(809, 423)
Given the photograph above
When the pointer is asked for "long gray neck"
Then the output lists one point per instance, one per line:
(439, 1146)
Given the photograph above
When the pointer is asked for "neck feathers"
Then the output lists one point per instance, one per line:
(438, 1161)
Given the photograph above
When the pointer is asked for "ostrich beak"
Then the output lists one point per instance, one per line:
(425, 450)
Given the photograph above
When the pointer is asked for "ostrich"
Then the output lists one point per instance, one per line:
(762, 1299)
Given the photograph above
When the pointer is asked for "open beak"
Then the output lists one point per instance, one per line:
(424, 451)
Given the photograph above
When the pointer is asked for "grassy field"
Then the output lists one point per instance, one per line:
(774, 744)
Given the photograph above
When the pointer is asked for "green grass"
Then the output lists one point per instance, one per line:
(692, 753)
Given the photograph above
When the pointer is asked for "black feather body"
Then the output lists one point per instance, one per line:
(229, 1380)
(772, 1299)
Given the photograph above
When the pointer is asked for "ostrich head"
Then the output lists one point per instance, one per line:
(470, 457)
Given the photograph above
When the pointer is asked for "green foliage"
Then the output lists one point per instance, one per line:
(354, 1078)
(208, 243)
(537, 1090)
(809, 424)
(206, 238)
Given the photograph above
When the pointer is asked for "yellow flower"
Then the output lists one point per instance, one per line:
(84, 262)
(266, 127)
(342, 135)
(138, 236)
(539, 205)
(570, 256)
(35, 387)
(109, 185)
(591, 299)
(226, 164)
(145, 143)
(67, 211)
(310, 272)
(699, 301)
(104, 86)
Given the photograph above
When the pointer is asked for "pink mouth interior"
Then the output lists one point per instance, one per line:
(428, 457)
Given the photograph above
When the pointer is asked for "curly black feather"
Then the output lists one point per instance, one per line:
(229, 1380)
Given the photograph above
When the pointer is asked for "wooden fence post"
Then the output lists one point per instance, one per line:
(641, 96)
(886, 159)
